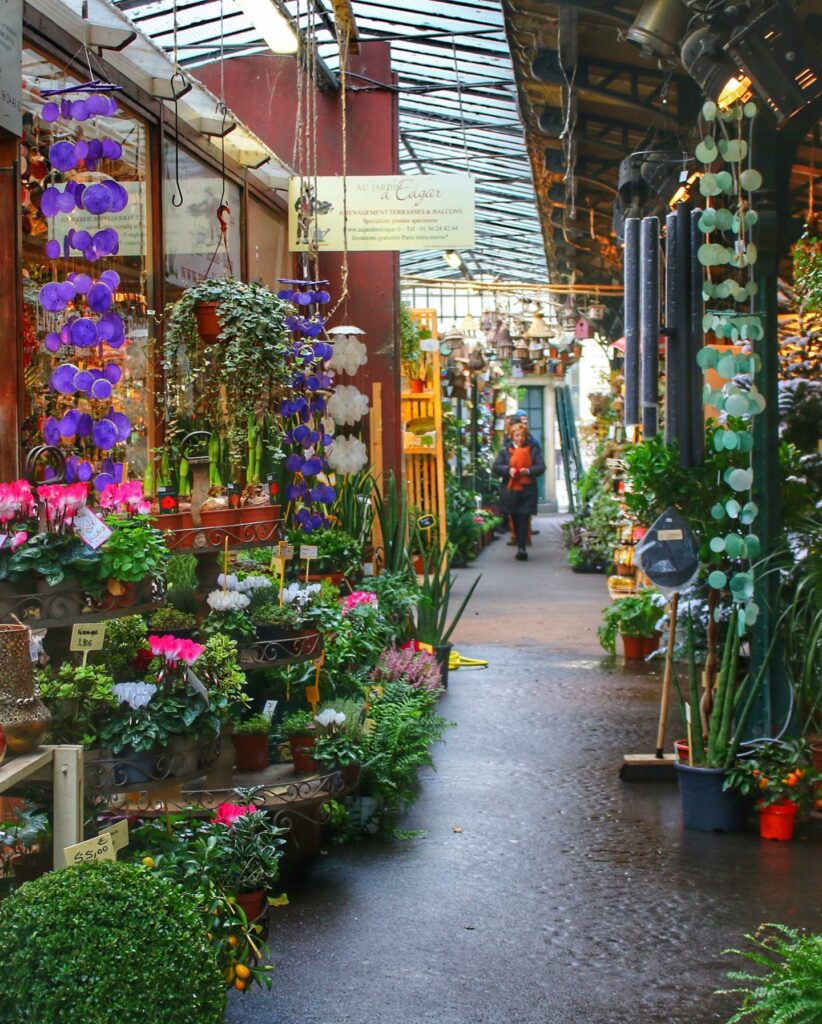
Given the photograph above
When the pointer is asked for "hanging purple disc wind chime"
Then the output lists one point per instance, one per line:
(309, 430)
(82, 309)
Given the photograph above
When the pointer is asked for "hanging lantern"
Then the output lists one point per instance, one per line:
(349, 352)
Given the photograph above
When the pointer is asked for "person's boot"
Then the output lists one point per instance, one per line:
(522, 555)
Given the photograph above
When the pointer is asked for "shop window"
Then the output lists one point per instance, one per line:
(128, 362)
(194, 246)
(268, 256)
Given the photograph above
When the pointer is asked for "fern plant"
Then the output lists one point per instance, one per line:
(789, 991)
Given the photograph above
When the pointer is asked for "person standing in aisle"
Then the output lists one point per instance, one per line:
(518, 465)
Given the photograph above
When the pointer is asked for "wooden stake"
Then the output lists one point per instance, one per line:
(666, 678)
(225, 566)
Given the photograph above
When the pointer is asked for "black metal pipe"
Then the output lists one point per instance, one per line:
(631, 370)
(685, 370)
(673, 377)
(696, 343)
(649, 324)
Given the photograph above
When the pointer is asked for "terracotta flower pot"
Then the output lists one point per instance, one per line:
(252, 903)
(417, 385)
(250, 752)
(303, 761)
(776, 821)
(683, 751)
(651, 643)
(634, 647)
(208, 325)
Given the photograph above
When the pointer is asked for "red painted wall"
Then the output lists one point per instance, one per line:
(262, 92)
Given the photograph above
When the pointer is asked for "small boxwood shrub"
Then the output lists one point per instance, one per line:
(103, 942)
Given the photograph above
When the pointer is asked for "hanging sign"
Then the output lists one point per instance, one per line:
(11, 66)
(383, 212)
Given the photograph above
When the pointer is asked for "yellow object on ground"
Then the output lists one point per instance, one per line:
(457, 660)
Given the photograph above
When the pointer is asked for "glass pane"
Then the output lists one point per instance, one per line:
(88, 355)
(268, 256)
(194, 244)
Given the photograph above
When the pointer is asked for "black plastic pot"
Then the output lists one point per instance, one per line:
(442, 653)
(706, 807)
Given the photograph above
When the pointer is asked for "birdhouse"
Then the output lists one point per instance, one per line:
(582, 329)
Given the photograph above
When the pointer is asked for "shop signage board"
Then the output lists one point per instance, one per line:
(383, 212)
(11, 66)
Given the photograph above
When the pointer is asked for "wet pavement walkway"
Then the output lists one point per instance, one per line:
(546, 891)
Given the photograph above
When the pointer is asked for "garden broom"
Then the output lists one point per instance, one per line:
(659, 766)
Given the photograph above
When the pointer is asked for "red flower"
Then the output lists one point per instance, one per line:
(143, 659)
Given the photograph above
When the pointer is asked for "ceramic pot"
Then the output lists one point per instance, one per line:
(706, 806)
(776, 821)
(208, 324)
(24, 718)
(251, 752)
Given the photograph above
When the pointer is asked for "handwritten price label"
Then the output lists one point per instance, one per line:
(119, 834)
(92, 850)
(87, 637)
(91, 530)
(285, 550)
(308, 551)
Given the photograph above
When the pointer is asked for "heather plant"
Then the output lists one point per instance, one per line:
(417, 669)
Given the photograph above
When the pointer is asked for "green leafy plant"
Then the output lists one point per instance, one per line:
(337, 750)
(801, 628)
(353, 509)
(114, 972)
(123, 641)
(632, 616)
(775, 772)
(788, 989)
(269, 613)
(54, 558)
(256, 725)
(435, 583)
(298, 723)
(135, 551)
(391, 507)
(247, 363)
(337, 551)
(409, 337)
(353, 642)
(219, 670)
(170, 618)
(79, 699)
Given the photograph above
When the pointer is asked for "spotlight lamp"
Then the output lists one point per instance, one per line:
(658, 28)
(706, 61)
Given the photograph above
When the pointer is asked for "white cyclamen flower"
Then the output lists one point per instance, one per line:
(300, 594)
(347, 405)
(227, 601)
(230, 581)
(330, 717)
(347, 455)
(253, 583)
(136, 695)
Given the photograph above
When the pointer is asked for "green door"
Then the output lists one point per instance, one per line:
(531, 400)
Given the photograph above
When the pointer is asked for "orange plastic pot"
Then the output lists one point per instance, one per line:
(417, 385)
(776, 821)
(683, 751)
(634, 647)
(208, 325)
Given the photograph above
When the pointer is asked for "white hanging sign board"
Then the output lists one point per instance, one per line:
(383, 212)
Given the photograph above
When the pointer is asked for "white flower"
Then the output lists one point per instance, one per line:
(230, 581)
(347, 455)
(349, 355)
(299, 594)
(347, 405)
(330, 717)
(251, 583)
(136, 695)
(227, 601)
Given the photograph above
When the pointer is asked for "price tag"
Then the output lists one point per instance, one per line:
(368, 568)
(268, 709)
(425, 522)
(196, 685)
(670, 535)
(119, 834)
(308, 551)
(285, 550)
(100, 848)
(87, 636)
(90, 528)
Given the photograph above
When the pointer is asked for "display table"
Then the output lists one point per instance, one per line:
(62, 769)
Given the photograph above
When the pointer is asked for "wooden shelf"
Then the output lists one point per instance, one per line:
(420, 451)
(418, 394)
(17, 768)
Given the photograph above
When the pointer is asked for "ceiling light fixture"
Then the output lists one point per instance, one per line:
(273, 24)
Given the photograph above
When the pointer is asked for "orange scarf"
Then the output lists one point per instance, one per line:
(520, 459)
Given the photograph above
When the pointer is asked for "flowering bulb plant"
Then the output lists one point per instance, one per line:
(335, 745)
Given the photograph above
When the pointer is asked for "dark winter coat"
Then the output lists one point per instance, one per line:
(524, 501)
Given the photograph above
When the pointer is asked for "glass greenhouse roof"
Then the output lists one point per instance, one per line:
(458, 104)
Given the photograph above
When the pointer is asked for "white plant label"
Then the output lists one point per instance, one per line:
(90, 528)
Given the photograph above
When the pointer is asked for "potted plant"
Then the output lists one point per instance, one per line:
(635, 618)
(718, 716)
(339, 555)
(276, 622)
(248, 850)
(338, 745)
(251, 743)
(172, 622)
(780, 777)
(434, 584)
(226, 383)
(299, 729)
(26, 844)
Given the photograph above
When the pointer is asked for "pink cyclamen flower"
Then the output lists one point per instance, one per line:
(356, 598)
(228, 813)
(18, 539)
(189, 651)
